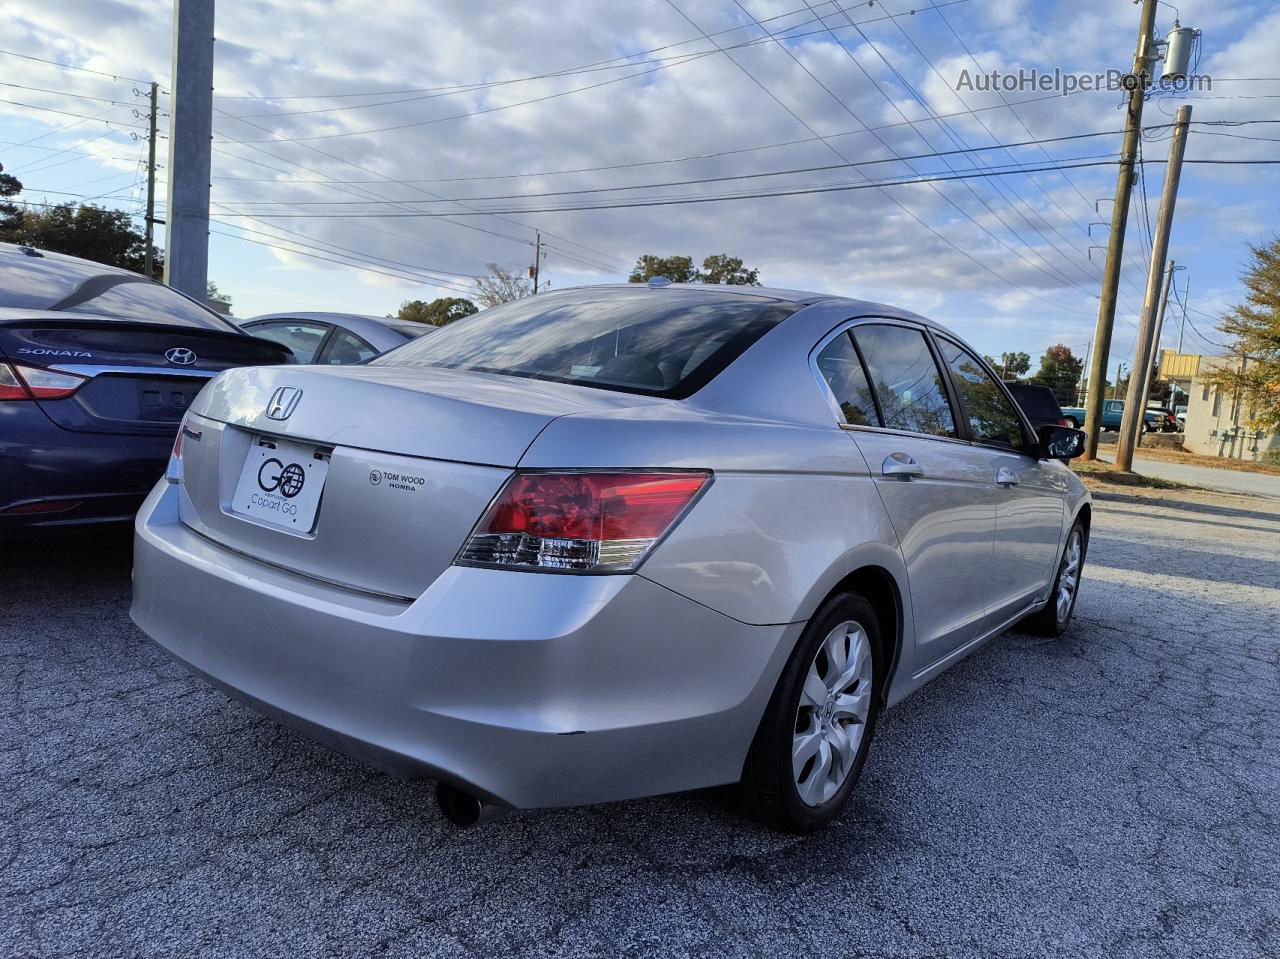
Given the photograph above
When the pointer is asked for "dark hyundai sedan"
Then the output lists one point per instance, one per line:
(97, 367)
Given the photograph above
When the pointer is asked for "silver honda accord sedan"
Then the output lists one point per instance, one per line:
(612, 542)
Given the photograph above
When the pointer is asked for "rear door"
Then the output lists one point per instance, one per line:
(935, 486)
(1029, 493)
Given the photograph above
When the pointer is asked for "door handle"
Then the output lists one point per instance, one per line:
(901, 465)
(1006, 477)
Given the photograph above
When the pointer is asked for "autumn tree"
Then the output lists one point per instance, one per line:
(1254, 330)
(500, 286)
(439, 312)
(1059, 370)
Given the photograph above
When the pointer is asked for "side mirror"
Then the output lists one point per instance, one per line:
(1061, 442)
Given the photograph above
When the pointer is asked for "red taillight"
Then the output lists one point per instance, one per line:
(582, 522)
(43, 506)
(11, 388)
(19, 382)
(1063, 421)
(173, 472)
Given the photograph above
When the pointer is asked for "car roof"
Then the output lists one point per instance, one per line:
(361, 324)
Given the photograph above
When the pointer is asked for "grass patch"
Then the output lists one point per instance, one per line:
(1096, 472)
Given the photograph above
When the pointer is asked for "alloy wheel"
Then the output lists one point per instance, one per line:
(831, 719)
(1069, 577)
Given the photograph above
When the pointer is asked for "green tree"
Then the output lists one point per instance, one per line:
(10, 213)
(500, 286)
(87, 231)
(722, 268)
(211, 292)
(1059, 370)
(677, 269)
(439, 312)
(718, 268)
(1010, 366)
(1254, 329)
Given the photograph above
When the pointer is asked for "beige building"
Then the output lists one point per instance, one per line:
(1218, 423)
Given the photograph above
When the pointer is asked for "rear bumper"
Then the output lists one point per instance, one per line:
(528, 689)
(87, 478)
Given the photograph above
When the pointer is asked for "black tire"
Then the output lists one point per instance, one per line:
(1071, 421)
(1049, 621)
(769, 788)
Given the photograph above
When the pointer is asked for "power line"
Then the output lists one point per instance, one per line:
(1059, 278)
(715, 179)
(681, 201)
(618, 62)
(1008, 192)
(69, 66)
(81, 116)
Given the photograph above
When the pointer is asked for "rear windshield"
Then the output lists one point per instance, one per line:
(67, 285)
(1036, 401)
(656, 342)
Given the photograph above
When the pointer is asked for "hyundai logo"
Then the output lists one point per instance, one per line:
(283, 402)
(180, 356)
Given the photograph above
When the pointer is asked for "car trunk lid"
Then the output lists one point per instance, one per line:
(141, 377)
(408, 457)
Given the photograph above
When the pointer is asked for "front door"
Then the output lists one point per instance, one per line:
(1029, 492)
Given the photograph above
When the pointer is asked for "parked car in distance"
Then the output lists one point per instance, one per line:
(97, 368)
(1180, 414)
(334, 339)
(1153, 421)
(1039, 403)
(613, 542)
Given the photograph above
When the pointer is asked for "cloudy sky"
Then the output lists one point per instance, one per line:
(357, 144)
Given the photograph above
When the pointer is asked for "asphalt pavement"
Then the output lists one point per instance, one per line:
(1114, 793)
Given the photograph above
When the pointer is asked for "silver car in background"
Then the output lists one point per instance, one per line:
(334, 339)
(612, 542)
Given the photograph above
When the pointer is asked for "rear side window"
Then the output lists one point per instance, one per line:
(301, 336)
(1036, 401)
(345, 348)
(990, 415)
(662, 342)
(906, 380)
(840, 367)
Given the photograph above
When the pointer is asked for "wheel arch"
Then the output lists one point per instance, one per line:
(879, 587)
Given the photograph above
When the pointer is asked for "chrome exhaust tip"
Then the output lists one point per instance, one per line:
(463, 809)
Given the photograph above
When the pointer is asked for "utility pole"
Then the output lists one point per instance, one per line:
(186, 262)
(537, 259)
(1084, 372)
(1182, 327)
(1142, 57)
(1155, 342)
(1135, 404)
(150, 229)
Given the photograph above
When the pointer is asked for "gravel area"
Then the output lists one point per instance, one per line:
(1113, 793)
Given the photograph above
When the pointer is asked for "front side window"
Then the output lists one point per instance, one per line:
(991, 417)
(906, 380)
(655, 342)
(301, 336)
(840, 367)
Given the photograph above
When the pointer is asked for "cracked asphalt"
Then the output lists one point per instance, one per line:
(1113, 793)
